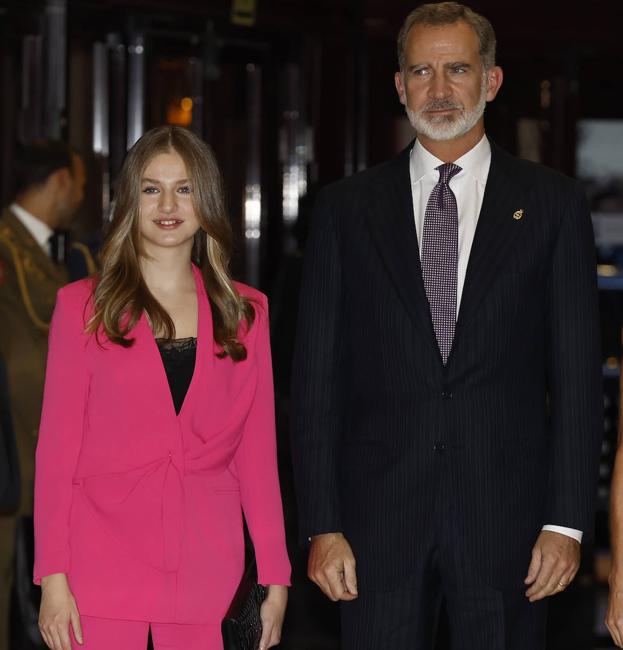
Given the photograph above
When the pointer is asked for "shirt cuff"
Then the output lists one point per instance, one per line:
(569, 532)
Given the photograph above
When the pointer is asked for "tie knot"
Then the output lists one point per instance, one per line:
(447, 171)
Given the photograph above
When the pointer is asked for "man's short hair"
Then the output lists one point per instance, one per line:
(36, 161)
(448, 13)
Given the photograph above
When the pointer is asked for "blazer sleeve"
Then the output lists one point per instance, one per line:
(60, 435)
(256, 464)
(317, 383)
(575, 382)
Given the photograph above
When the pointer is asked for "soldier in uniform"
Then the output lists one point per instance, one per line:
(49, 187)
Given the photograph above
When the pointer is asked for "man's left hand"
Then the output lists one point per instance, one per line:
(555, 561)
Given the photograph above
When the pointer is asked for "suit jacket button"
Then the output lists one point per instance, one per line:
(446, 394)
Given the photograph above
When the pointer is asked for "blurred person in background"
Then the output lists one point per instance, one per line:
(48, 182)
(447, 380)
(158, 425)
(9, 466)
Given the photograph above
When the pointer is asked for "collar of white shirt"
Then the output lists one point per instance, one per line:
(475, 162)
(40, 231)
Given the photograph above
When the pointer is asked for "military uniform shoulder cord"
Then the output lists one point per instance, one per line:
(88, 256)
(5, 238)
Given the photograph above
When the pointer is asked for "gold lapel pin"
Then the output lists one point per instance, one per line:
(518, 215)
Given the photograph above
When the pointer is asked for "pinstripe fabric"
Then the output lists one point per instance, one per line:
(479, 617)
(515, 412)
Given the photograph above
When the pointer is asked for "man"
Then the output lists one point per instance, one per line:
(49, 187)
(447, 401)
(9, 467)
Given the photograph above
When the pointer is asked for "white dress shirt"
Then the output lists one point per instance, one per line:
(39, 230)
(469, 189)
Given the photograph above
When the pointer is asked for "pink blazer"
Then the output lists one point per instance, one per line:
(140, 507)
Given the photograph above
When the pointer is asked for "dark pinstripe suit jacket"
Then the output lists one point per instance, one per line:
(510, 427)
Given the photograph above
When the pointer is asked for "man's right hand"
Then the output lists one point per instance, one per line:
(331, 566)
(58, 611)
(614, 617)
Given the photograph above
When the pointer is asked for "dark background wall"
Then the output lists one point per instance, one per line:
(303, 90)
(293, 94)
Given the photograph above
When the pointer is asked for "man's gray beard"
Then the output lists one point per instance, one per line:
(447, 127)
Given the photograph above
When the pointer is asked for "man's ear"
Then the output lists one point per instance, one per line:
(400, 88)
(60, 180)
(495, 77)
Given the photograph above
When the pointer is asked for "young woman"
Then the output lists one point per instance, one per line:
(158, 426)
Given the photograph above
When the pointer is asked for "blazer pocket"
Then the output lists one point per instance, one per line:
(226, 490)
(225, 483)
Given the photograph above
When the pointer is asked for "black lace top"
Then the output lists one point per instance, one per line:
(178, 358)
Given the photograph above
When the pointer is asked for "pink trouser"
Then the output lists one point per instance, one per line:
(112, 634)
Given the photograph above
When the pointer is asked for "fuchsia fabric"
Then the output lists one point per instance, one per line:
(109, 634)
(142, 507)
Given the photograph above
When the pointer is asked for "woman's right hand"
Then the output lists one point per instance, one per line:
(58, 610)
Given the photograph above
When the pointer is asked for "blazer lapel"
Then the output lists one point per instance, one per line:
(391, 219)
(497, 234)
(204, 355)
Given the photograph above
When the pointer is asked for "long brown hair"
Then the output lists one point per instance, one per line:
(121, 294)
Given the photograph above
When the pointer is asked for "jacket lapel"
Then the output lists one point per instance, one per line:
(204, 355)
(391, 219)
(497, 234)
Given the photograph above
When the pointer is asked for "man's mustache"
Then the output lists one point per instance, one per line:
(441, 105)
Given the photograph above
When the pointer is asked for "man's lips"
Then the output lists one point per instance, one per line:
(442, 110)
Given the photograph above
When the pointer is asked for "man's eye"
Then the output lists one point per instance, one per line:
(150, 189)
(458, 69)
(185, 189)
(420, 72)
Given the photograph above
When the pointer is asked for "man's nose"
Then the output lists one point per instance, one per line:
(438, 88)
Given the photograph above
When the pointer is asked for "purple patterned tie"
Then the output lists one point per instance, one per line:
(440, 243)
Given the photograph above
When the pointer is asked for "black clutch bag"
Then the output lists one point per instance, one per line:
(242, 627)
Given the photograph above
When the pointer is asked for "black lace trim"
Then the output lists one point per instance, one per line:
(176, 347)
(178, 357)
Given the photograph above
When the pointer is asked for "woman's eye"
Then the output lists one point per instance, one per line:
(150, 190)
(185, 189)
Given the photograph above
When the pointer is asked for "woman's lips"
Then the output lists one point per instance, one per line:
(168, 224)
